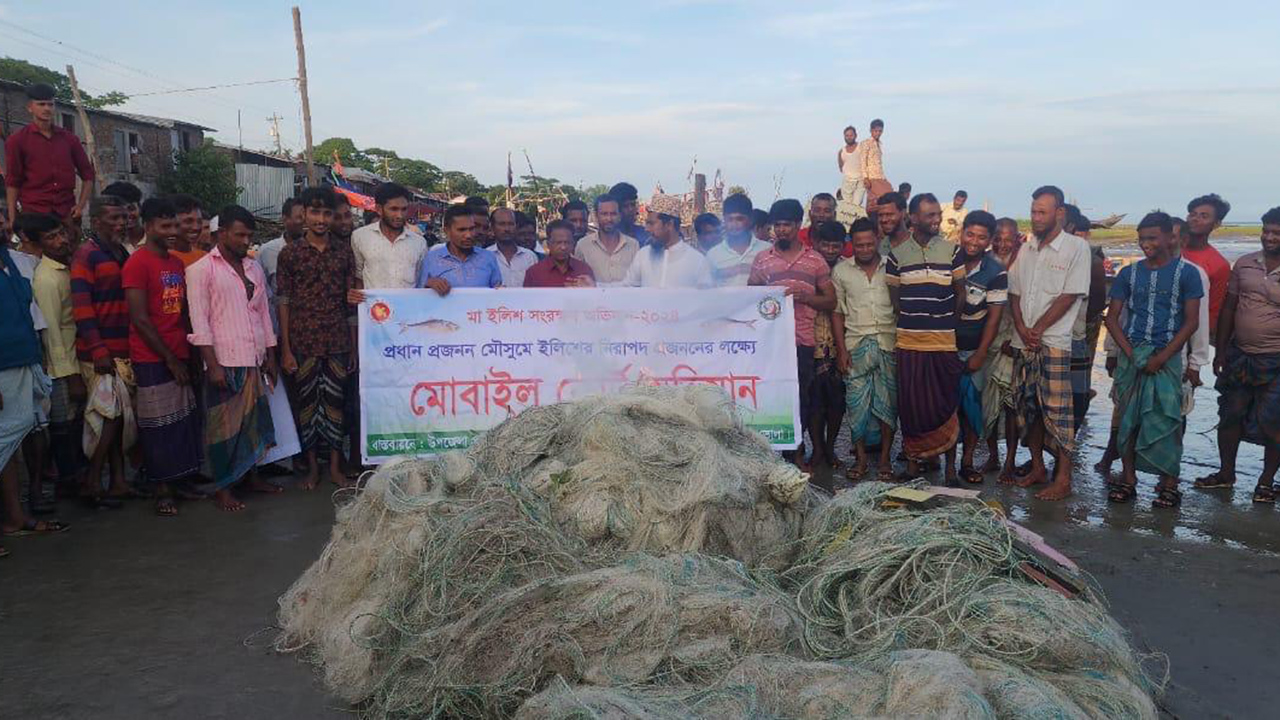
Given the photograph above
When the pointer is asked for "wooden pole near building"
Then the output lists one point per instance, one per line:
(699, 194)
(88, 129)
(302, 88)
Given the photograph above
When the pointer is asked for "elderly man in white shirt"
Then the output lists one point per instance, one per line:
(668, 261)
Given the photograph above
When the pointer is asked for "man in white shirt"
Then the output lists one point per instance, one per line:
(387, 252)
(608, 252)
(953, 216)
(731, 259)
(1047, 287)
(668, 261)
(294, 221)
(513, 260)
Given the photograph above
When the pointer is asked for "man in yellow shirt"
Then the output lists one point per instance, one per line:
(953, 216)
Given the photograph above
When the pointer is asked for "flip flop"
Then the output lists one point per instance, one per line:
(39, 527)
(1212, 481)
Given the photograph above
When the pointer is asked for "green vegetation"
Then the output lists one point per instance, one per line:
(26, 73)
(205, 173)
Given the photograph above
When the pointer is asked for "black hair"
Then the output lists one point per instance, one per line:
(759, 217)
(1074, 218)
(892, 197)
(497, 210)
(877, 123)
(983, 218)
(126, 191)
(457, 211)
(386, 192)
(607, 197)
(847, 128)
(1156, 219)
(476, 201)
(317, 197)
(559, 225)
(862, 224)
(340, 199)
(704, 220)
(573, 205)
(1272, 216)
(30, 226)
(232, 214)
(962, 194)
(918, 200)
(523, 220)
(185, 203)
(737, 204)
(904, 187)
(158, 207)
(623, 192)
(1007, 221)
(99, 204)
(1220, 207)
(1051, 190)
(829, 231)
(288, 206)
(823, 196)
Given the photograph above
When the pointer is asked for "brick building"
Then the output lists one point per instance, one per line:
(136, 148)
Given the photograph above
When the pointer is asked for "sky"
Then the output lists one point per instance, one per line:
(1127, 106)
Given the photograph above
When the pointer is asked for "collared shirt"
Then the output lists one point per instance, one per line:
(44, 169)
(1154, 299)
(872, 159)
(805, 271)
(1041, 275)
(865, 304)
(383, 264)
(19, 344)
(953, 221)
(513, 270)
(97, 299)
(313, 284)
(925, 276)
(610, 268)
(223, 313)
(806, 239)
(985, 285)
(636, 232)
(478, 270)
(679, 266)
(1257, 327)
(27, 267)
(731, 268)
(52, 286)
(545, 273)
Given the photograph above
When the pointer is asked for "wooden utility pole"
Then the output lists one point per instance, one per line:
(302, 88)
(699, 194)
(88, 129)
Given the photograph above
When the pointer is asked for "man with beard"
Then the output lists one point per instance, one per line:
(344, 221)
(953, 216)
(731, 260)
(629, 207)
(668, 261)
(822, 208)
(185, 245)
(459, 262)
(926, 283)
(609, 251)
(168, 424)
(1047, 287)
(807, 279)
(891, 222)
(1248, 364)
(483, 227)
(577, 214)
(828, 383)
(231, 327)
(527, 233)
(513, 260)
(849, 160)
(132, 196)
(388, 252)
(865, 333)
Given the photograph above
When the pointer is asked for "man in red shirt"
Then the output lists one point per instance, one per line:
(559, 268)
(1204, 215)
(43, 162)
(168, 425)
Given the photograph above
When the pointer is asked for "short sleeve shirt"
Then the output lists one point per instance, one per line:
(731, 268)
(479, 269)
(925, 276)
(805, 272)
(313, 284)
(1257, 326)
(1154, 299)
(1219, 272)
(163, 281)
(984, 286)
(1041, 275)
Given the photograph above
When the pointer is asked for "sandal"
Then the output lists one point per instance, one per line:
(971, 476)
(166, 507)
(1213, 481)
(886, 475)
(39, 527)
(1167, 498)
(1121, 493)
(1264, 495)
(4, 552)
(854, 473)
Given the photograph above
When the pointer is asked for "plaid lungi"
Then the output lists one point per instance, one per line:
(1043, 381)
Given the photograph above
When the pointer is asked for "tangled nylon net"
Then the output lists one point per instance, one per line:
(645, 555)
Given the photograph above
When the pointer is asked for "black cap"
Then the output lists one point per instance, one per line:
(41, 91)
(786, 210)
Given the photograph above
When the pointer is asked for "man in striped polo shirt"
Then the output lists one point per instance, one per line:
(926, 284)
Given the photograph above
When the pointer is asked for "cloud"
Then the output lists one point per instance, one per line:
(376, 34)
(830, 23)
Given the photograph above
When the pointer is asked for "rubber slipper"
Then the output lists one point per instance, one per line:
(39, 527)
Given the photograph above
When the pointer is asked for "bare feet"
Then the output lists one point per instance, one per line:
(1037, 476)
(992, 465)
(259, 485)
(1059, 490)
(1104, 465)
(226, 501)
(1007, 475)
(339, 478)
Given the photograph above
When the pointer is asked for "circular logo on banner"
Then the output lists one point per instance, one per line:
(380, 312)
(770, 308)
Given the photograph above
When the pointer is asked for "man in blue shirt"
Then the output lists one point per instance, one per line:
(986, 284)
(1161, 294)
(458, 262)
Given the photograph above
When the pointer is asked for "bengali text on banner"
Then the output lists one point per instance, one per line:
(437, 371)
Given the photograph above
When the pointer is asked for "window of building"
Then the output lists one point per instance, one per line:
(69, 122)
(128, 147)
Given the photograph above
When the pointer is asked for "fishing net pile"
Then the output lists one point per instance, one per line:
(645, 555)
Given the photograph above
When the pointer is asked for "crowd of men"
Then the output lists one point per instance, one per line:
(158, 339)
